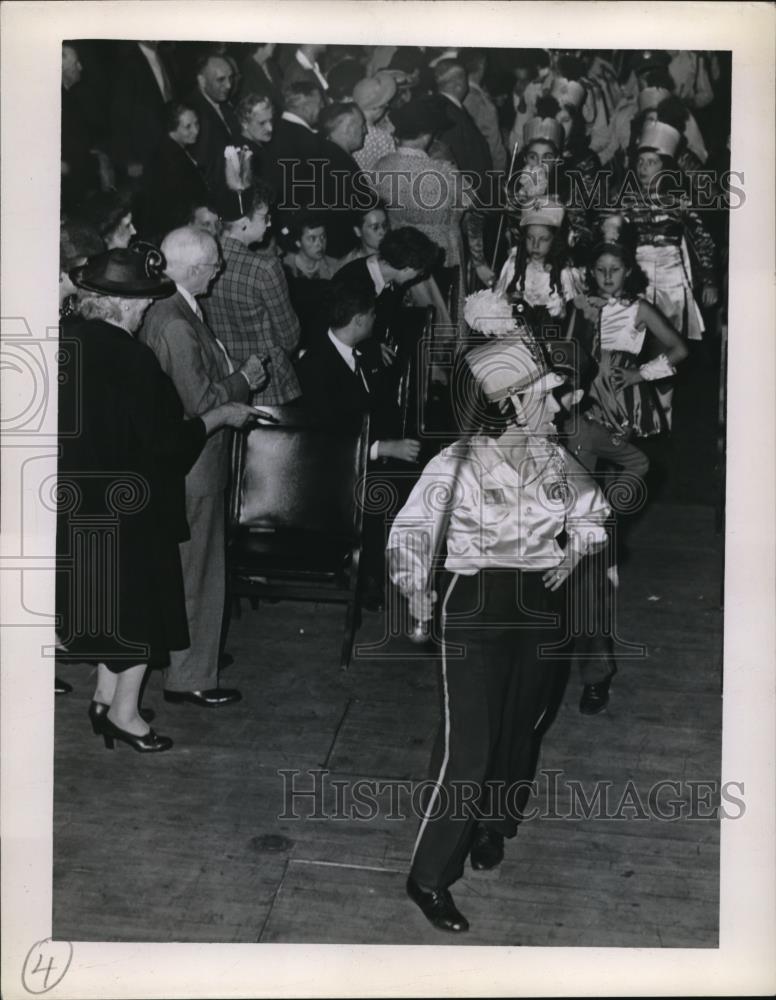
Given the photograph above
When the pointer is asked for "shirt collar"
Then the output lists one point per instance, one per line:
(213, 105)
(373, 266)
(345, 352)
(189, 299)
(289, 116)
(453, 100)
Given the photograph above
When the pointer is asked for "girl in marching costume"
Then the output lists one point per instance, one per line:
(538, 272)
(540, 170)
(623, 403)
(667, 234)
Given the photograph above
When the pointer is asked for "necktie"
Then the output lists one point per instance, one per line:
(361, 367)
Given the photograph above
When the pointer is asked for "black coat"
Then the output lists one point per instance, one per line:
(215, 135)
(125, 450)
(137, 114)
(345, 189)
(465, 141)
(288, 157)
(173, 186)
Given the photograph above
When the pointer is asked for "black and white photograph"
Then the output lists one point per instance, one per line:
(387, 501)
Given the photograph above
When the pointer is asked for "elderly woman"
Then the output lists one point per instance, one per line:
(175, 183)
(255, 113)
(120, 493)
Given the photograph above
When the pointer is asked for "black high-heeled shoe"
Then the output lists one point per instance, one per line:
(151, 742)
(98, 711)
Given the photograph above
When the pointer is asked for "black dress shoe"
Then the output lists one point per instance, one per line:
(151, 742)
(99, 711)
(213, 698)
(487, 848)
(595, 697)
(62, 687)
(437, 907)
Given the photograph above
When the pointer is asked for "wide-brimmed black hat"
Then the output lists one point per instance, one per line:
(135, 272)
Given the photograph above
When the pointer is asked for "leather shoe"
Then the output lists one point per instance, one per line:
(62, 687)
(212, 698)
(487, 848)
(595, 697)
(437, 907)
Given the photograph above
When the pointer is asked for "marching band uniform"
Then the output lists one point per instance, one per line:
(498, 617)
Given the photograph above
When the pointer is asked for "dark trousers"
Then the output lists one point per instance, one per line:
(493, 699)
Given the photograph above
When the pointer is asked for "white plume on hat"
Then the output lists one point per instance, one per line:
(489, 313)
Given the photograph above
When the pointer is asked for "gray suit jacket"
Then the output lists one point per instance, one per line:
(189, 354)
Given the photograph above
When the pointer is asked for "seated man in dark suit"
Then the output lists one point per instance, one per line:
(342, 378)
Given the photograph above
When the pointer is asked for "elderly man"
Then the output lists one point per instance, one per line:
(294, 147)
(204, 377)
(250, 307)
(373, 96)
(345, 187)
(467, 144)
(218, 127)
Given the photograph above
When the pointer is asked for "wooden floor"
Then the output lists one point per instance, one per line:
(189, 846)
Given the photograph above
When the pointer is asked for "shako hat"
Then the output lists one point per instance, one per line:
(657, 135)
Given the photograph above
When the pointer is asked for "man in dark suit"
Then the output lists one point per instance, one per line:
(467, 144)
(290, 155)
(143, 86)
(204, 377)
(346, 189)
(218, 126)
(343, 376)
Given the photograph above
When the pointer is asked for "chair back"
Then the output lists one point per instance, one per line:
(295, 476)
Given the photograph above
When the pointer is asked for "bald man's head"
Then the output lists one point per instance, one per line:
(193, 258)
(215, 78)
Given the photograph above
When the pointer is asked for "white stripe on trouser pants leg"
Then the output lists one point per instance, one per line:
(435, 794)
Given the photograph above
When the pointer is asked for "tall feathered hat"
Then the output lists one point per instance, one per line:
(543, 212)
(657, 135)
(544, 129)
(650, 97)
(569, 92)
